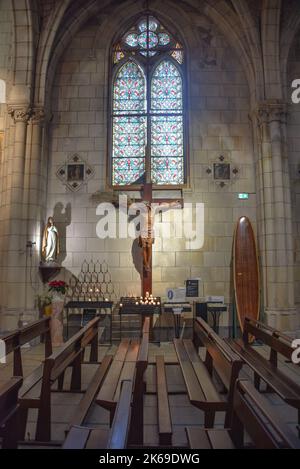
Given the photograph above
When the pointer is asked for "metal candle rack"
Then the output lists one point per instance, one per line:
(94, 283)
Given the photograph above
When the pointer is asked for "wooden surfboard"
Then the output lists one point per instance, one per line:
(246, 272)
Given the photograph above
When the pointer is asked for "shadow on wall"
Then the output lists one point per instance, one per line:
(62, 218)
(137, 257)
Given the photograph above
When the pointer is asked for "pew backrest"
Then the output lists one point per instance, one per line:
(144, 346)
(73, 348)
(119, 432)
(16, 339)
(253, 413)
(9, 398)
(219, 355)
(277, 341)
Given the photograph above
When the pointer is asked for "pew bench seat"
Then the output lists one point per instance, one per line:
(9, 409)
(201, 390)
(129, 363)
(37, 388)
(264, 369)
(163, 406)
(86, 438)
(278, 381)
(252, 415)
(200, 438)
(101, 438)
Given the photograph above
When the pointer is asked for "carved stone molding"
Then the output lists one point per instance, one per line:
(20, 114)
(75, 172)
(222, 171)
(271, 111)
(38, 116)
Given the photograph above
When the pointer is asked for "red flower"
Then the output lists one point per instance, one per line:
(58, 285)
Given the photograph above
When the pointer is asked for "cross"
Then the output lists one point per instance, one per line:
(147, 196)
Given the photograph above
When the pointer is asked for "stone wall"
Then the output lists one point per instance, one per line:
(218, 125)
(5, 37)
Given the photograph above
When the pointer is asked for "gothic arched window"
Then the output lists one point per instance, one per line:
(148, 143)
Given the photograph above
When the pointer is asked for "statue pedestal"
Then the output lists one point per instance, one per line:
(48, 270)
(57, 322)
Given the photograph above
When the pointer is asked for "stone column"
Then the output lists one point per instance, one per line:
(275, 224)
(14, 240)
(33, 196)
(33, 189)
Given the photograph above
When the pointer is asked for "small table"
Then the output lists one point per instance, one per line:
(97, 305)
(178, 309)
(177, 317)
(216, 310)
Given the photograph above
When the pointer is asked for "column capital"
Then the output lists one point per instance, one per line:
(270, 111)
(38, 115)
(20, 113)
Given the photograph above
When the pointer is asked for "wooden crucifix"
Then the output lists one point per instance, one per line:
(147, 239)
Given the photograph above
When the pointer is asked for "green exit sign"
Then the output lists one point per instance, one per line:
(244, 196)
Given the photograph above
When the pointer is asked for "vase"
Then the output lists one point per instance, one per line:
(58, 302)
(48, 310)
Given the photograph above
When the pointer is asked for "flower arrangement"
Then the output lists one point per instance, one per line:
(43, 300)
(58, 286)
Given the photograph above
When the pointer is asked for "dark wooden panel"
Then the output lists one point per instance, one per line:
(197, 438)
(97, 439)
(164, 415)
(246, 272)
(120, 427)
(77, 438)
(89, 396)
(192, 384)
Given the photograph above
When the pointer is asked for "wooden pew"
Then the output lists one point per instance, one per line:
(36, 391)
(267, 369)
(16, 339)
(163, 407)
(197, 374)
(253, 414)
(98, 438)
(129, 363)
(136, 435)
(89, 396)
(9, 412)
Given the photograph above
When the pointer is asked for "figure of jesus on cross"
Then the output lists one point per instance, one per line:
(147, 235)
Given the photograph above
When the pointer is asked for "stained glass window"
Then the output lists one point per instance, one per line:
(148, 107)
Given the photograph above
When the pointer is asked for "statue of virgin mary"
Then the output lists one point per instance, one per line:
(50, 246)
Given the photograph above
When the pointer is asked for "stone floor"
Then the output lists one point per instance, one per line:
(183, 413)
